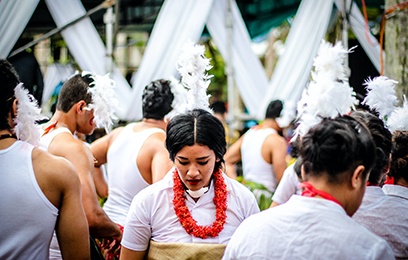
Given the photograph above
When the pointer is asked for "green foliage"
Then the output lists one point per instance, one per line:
(264, 201)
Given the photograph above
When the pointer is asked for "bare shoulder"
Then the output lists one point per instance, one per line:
(114, 134)
(275, 139)
(55, 167)
(65, 143)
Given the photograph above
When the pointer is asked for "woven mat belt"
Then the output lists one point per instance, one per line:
(196, 251)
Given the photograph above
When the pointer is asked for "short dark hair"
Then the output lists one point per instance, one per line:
(336, 146)
(383, 141)
(196, 126)
(74, 90)
(274, 109)
(157, 99)
(218, 107)
(399, 162)
(9, 80)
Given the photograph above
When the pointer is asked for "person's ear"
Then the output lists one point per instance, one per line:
(387, 166)
(14, 108)
(358, 177)
(302, 172)
(80, 106)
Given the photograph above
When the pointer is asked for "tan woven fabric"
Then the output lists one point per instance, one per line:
(192, 251)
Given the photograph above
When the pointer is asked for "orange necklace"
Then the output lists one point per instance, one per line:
(184, 215)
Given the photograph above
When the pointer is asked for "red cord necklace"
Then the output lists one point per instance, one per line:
(184, 215)
(310, 191)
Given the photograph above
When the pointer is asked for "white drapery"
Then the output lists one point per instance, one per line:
(357, 24)
(14, 16)
(56, 73)
(177, 22)
(86, 45)
(249, 74)
(293, 68)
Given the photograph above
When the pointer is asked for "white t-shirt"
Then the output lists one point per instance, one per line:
(287, 186)
(305, 228)
(396, 191)
(386, 217)
(152, 216)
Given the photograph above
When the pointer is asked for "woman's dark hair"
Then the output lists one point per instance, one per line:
(157, 99)
(399, 162)
(335, 146)
(74, 90)
(383, 141)
(8, 81)
(297, 167)
(196, 127)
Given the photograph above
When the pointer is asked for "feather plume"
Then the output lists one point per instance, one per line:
(330, 61)
(398, 119)
(192, 66)
(103, 100)
(381, 95)
(327, 95)
(288, 114)
(180, 99)
(28, 113)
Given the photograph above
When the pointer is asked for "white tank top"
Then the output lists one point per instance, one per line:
(124, 178)
(46, 140)
(27, 217)
(254, 166)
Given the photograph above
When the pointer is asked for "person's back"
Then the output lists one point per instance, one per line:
(40, 192)
(337, 156)
(128, 181)
(305, 228)
(135, 155)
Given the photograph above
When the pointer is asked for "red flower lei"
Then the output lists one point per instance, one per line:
(184, 215)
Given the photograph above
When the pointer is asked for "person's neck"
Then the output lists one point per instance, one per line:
(6, 142)
(64, 120)
(335, 190)
(150, 122)
(402, 182)
(271, 123)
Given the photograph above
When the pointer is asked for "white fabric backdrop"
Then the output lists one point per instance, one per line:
(86, 45)
(177, 22)
(56, 73)
(249, 73)
(14, 16)
(357, 24)
(293, 68)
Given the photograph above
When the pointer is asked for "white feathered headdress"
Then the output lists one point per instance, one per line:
(103, 99)
(179, 104)
(192, 66)
(328, 94)
(28, 113)
(381, 96)
(398, 119)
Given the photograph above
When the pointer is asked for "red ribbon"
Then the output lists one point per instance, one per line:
(49, 128)
(389, 180)
(310, 191)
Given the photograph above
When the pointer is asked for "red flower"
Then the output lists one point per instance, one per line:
(184, 215)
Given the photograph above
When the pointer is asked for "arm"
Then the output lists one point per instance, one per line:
(278, 153)
(80, 156)
(99, 149)
(232, 156)
(161, 162)
(71, 227)
(130, 254)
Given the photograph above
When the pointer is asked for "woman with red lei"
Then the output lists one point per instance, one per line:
(196, 208)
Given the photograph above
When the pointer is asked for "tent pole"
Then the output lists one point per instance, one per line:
(229, 69)
(105, 4)
(109, 19)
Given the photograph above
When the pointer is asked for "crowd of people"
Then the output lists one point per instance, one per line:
(171, 189)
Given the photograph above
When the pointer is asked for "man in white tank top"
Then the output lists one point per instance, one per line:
(40, 192)
(262, 150)
(75, 113)
(136, 154)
